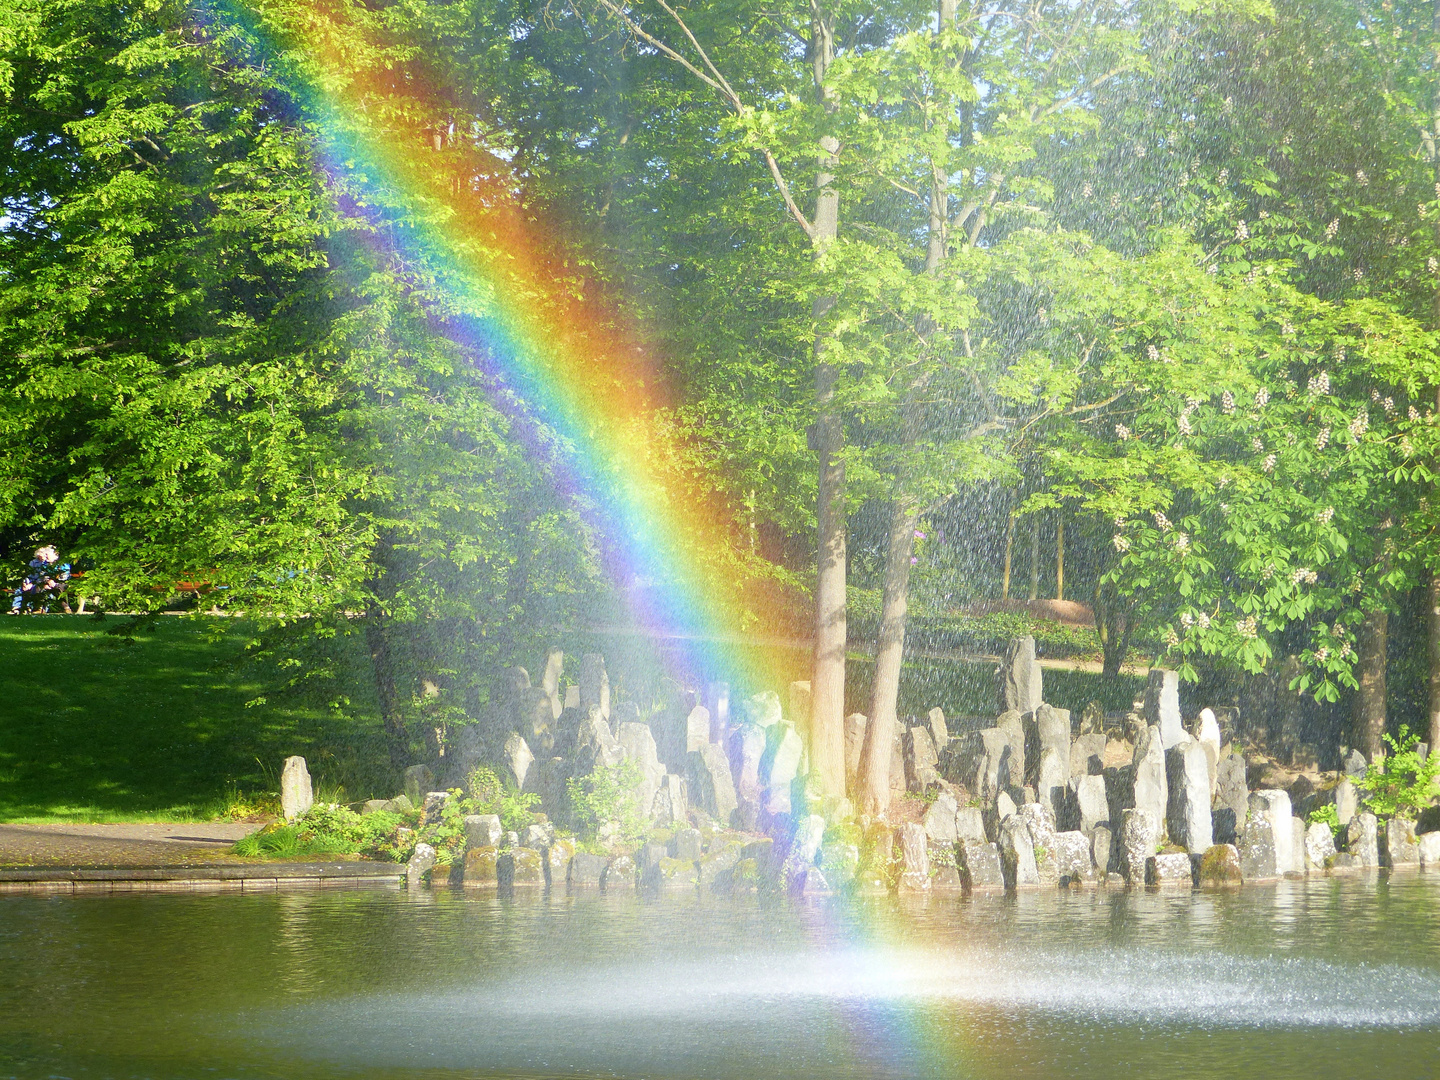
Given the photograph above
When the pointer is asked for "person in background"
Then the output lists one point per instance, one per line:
(43, 584)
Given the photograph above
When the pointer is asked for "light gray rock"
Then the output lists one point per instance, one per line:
(1092, 719)
(422, 861)
(1257, 849)
(697, 729)
(915, 856)
(920, 759)
(939, 822)
(747, 748)
(519, 759)
(538, 835)
(1073, 858)
(587, 871)
(970, 824)
(1188, 781)
(482, 830)
(1048, 727)
(717, 700)
(979, 865)
(417, 781)
(1207, 729)
(1172, 869)
(375, 806)
(1274, 805)
(1052, 778)
(1021, 681)
(1362, 840)
(1297, 845)
(1012, 764)
(984, 759)
(1401, 850)
(550, 680)
(939, 730)
(1231, 802)
(595, 743)
(1041, 823)
(801, 706)
(1319, 846)
(638, 742)
(1087, 755)
(1139, 837)
(672, 803)
(1428, 847)
(537, 723)
(1004, 806)
(1162, 706)
(296, 793)
(780, 766)
(619, 874)
(1347, 800)
(1151, 792)
(1017, 854)
(855, 725)
(1102, 851)
(594, 684)
(711, 787)
(1088, 802)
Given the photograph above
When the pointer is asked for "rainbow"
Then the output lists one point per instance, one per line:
(499, 282)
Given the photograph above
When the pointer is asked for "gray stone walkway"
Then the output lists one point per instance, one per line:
(144, 844)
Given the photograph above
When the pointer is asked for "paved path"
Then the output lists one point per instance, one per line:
(119, 845)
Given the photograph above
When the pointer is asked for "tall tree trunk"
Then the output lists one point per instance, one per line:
(875, 754)
(827, 683)
(1059, 556)
(1368, 705)
(397, 739)
(1433, 585)
(1034, 556)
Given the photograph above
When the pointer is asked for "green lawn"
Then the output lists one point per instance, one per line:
(94, 728)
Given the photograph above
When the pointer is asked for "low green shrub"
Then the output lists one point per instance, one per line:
(1327, 815)
(1401, 785)
(329, 829)
(490, 795)
(605, 802)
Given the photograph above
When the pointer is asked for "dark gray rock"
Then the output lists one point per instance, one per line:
(1231, 802)
(1188, 783)
(1092, 719)
(686, 844)
(939, 730)
(619, 874)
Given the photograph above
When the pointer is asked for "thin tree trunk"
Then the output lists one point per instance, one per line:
(1368, 705)
(397, 739)
(1059, 556)
(827, 683)
(876, 752)
(1034, 556)
(1009, 550)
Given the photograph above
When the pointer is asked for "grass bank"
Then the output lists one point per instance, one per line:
(99, 728)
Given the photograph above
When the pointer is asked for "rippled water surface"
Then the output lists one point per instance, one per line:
(1317, 979)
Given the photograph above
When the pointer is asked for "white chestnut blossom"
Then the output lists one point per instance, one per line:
(1269, 464)
(1162, 522)
(1322, 439)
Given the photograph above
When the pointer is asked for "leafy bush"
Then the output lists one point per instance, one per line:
(1327, 815)
(490, 795)
(605, 803)
(1401, 785)
(328, 829)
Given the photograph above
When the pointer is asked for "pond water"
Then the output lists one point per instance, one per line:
(1315, 979)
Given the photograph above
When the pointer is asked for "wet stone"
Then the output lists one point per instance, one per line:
(1319, 846)
(1021, 687)
(940, 819)
(1273, 805)
(970, 824)
(586, 870)
(482, 830)
(619, 874)
(480, 866)
(1401, 850)
(1017, 854)
(1231, 802)
(1139, 837)
(1073, 858)
(979, 865)
(1171, 869)
(1220, 866)
(1257, 850)
(915, 856)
